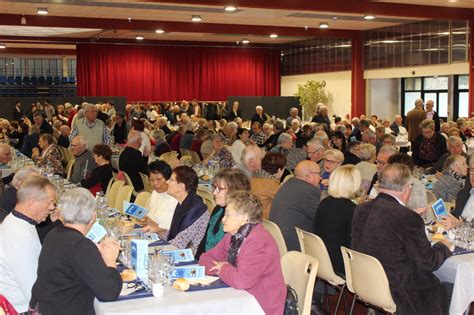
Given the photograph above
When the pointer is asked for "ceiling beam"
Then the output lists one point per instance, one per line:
(168, 26)
(38, 51)
(342, 6)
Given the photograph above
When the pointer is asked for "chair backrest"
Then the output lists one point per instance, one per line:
(113, 191)
(366, 277)
(143, 198)
(146, 182)
(186, 160)
(69, 166)
(124, 194)
(430, 196)
(184, 152)
(314, 246)
(299, 271)
(170, 158)
(195, 156)
(207, 198)
(275, 231)
(287, 177)
(128, 181)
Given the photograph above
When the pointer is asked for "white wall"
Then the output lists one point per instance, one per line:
(337, 83)
(383, 97)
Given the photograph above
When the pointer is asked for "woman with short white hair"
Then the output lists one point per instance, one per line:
(367, 166)
(72, 270)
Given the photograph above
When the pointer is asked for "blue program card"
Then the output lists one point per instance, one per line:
(180, 255)
(134, 210)
(439, 209)
(189, 272)
(96, 233)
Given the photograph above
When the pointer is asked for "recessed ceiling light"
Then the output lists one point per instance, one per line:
(42, 11)
(323, 25)
(335, 18)
(3, 46)
(159, 31)
(369, 17)
(273, 35)
(245, 41)
(139, 37)
(390, 41)
(230, 8)
(196, 18)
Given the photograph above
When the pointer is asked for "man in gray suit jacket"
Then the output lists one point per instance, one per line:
(296, 202)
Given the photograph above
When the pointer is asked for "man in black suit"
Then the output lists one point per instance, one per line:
(259, 116)
(18, 112)
(389, 231)
(131, 160)
(432, 115)
(235, 112)
(323, 117)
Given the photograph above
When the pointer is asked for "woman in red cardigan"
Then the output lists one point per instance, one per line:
(247, 257)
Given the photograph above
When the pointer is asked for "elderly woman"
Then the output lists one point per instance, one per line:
(333, 219)
(367, 166)
(225, 183)
(50, 154)
(351, 154)
(190, 217)
(266, 182)
(199, 137)
(220, 155)
(100, 176)
(429, 146)
(453, 179)
(338, 141)
(239, 144)
(247, 257)
(161, 146)
(285, 147)
(332, 159)
(65, 283)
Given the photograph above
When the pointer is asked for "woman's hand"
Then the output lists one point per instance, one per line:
(218, 266)
(325, 182)
(109, 250)
(150, 226)
(35, 153)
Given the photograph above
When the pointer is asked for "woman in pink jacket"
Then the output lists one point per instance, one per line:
(247, 257)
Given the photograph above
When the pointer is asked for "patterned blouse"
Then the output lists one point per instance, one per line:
(223, 158)
(192, 236)
(51, 156)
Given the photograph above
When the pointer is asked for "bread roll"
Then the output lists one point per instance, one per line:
(181, 284)
(437, 237)
(128, 275)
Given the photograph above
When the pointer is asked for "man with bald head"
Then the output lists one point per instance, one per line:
(131, 160)
(84, 162)
(413, 120)
(63, 139)
(296, 202)
(251, 160)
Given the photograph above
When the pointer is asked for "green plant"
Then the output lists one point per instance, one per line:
(310, 94)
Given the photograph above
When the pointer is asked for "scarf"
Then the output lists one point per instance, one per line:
(457, 177)
(236, 241)
(186, 214)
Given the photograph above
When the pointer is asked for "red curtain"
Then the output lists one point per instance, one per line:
(148, 73)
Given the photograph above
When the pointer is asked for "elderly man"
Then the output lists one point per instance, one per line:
(272, 141)
(230, 132)
(131, 160)
(323, 117)
(381, 160)
(397, 126)
(63, 139)
(43, 125)
(296, 202)
(315, 150)
(8, 200)
(455, 146)
(120, 129)
(259, 116)
(84, 162)
(258, 136)
(388, 230)
(251, 160)
(293, 115)
(70, 112)
(162, 124)
(413, 120)
(234, 112)
(19, 242)
(5, 158)
(93, 129)
(431, 114)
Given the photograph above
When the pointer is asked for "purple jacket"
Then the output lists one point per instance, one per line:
(258, 269)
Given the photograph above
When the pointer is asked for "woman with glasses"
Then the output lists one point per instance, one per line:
(220, 155)
(453, 179)
(190, 217)
(429, 146)
(333, 158)
(225, 183)
(247, 257)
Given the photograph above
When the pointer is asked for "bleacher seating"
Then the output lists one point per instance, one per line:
(34, 80)
(26, 80)
(18, 86)
(18, 80)
(10, 80)
(42, 80)
(3, 79)
(57, 80)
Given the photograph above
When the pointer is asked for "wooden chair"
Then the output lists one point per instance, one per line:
(69, 167)
(143, 199)
(146, 182)
(275, 231)
(124, 194)
(113, 191)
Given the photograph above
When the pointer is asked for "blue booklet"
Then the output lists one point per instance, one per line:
(134, 210)
(180, 255)
(189, 272)
(96, 233)
(439, 209)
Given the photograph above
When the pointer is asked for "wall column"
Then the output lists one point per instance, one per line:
(357, 79)
(471, 70)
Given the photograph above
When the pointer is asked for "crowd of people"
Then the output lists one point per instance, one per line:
(355, 183)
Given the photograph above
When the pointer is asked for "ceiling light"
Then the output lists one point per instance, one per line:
(245, 41)
(273, 35)
(3, 46)
(42, 11)
(139, 37)
(369, 17)
(159, 31)
(230, 8)
(323, 25)
(196, 18)
(23, 20)
(390, 41)
(335, 18)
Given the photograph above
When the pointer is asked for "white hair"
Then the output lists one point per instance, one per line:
(82, 140)
(233, 125)
(23, 174)
(284, 137)
(259, 107)
(133, 137)
(77, 206)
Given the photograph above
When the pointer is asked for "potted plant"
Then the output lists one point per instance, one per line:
(310, 94)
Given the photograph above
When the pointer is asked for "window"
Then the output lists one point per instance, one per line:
(427, 88)
(461, 96)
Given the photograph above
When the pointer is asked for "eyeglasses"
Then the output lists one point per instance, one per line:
(381, 162)
(218, 189)
(226, 215)
(330, 161)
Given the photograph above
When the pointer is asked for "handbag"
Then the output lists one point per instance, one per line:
(291, 302)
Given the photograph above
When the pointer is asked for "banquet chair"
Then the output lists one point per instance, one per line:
(124, 194)
(314, 246)
(111, 181)
(143, 199)
(170, 158)
(275, 231)
(184, 152)
(299, 272)
(195, 156)
(113, 191)
(146, 182)
(128, 181)
(287, 177)
(366, 278)
(186, 160)
(69, 167)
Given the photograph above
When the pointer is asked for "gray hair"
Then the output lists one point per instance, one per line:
(133, 137)
(250, 152)
(451, 160)
(316, 143)
(370, 133)
(341, 128)
(284, 137)
(453, 140)
(388, 149)
(218, 136)
(427, 124)
(395, 177)
(366, 151)
(23, 174)
(88, 107)
(232, 125)
(159, 135)
(356, 121)
(34, 188)
(82, 140)
(77, 206)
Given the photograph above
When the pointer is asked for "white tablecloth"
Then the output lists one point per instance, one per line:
(460, 271)
(218, 301)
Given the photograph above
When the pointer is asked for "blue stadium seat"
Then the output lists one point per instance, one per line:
(3, 79)
(10, 80)
(34, 80)
(57, 80)
(42, 80)
(64, 80)
(18, 80)
(72, 80)
(49, 80)
(26, 80)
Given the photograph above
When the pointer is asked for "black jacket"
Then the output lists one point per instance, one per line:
(132, 162)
